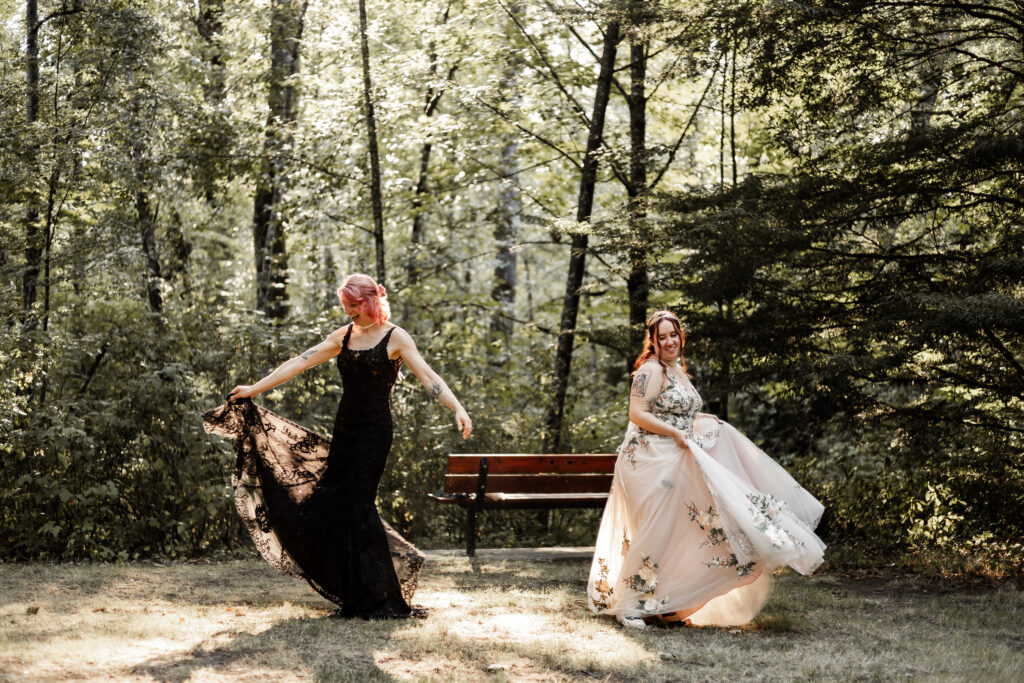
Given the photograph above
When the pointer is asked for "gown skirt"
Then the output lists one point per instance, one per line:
(308, 500)
(695, 536)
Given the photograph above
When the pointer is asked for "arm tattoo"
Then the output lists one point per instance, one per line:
(309, 352)
(435, 389)
(640, 384)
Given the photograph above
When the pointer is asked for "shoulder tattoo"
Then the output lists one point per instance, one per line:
(640, 380)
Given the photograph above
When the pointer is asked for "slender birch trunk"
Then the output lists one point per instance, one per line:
(577, 254)
(506, 215)
(376, 199)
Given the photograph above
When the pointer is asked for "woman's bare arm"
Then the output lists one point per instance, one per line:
(324, 351)
(402, 342)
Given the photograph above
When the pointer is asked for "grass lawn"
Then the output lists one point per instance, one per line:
(522, 619)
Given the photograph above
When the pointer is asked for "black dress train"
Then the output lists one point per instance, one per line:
(308, 501)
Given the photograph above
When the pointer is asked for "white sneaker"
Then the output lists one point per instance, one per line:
(632, 622)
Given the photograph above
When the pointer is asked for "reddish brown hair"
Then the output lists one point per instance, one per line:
(651, 347)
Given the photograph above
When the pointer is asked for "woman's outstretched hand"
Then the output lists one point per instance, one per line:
(463, 423)
(241, 391)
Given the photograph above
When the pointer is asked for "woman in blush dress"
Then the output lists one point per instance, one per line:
(698, 516)
(308, 501)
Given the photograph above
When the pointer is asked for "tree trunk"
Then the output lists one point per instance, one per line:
(726, 344)
(732, 114)
(371, 134)
(33, 234)
(143, 209)
(147, 222)
(637, 284)
(506, 218)
(329, 277)
(209, 23)
(432, 99)
(268, 225)
(721, 128)
(48, 229)
(416, 237)
(577, 254)
(723, 410)
(931, 73)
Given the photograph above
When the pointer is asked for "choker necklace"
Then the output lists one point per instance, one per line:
(363, 327)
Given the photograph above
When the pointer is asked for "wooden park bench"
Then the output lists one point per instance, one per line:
(504, 481)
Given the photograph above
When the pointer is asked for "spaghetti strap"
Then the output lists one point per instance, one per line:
(344, 342)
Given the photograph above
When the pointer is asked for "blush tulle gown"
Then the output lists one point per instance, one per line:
(697, 534)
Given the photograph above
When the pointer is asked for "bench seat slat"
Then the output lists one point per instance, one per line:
(533, 464)
(525, 483)
(545, 500)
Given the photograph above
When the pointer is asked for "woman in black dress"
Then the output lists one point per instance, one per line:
(318, 518)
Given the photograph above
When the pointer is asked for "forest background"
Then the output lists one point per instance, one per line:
(828, 193)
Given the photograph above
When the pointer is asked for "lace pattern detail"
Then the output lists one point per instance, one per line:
(265, 440)
(308, 500)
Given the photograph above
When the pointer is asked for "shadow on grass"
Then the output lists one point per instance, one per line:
(506, 574)
(329, 648)
(196, 584)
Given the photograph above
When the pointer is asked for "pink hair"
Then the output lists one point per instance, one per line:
(371, 298)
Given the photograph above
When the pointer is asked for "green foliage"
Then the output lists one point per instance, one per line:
(866, 290)
(853, 297)
(114, 468)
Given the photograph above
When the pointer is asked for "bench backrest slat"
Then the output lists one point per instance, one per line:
(527, 483)
(504, 463)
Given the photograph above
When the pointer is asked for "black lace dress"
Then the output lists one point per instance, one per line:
(308, 501)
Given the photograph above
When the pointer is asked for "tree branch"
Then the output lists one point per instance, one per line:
(93, 368)
(551, 69)
(55, 15)
(537, 136)
(686, 129)
(597, 58)
(1003, 351)
(558, 82)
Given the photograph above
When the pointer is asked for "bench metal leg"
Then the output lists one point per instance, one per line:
(476, 506)
(470, 530)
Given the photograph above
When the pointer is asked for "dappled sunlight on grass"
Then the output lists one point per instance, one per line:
(101, 621)
(491, 631)
(502, 619)
(533, 633)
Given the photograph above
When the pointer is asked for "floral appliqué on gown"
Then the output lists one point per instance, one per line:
(697, 533)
